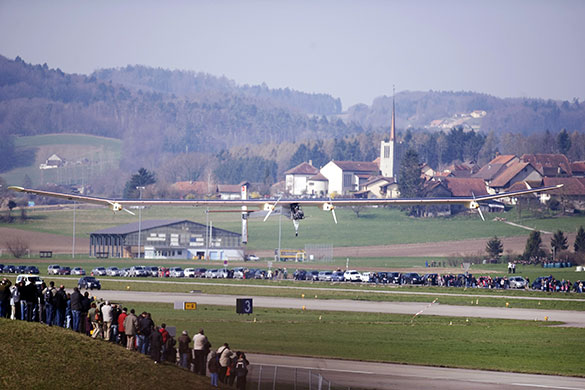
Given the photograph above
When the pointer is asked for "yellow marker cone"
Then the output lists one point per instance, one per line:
(450, 323)
(254, 319)
(304, 307)
(546, 318)
(319, 318)
(127, 287)
(315, 297)
(302, 295)
(507, 304)
(477, 301)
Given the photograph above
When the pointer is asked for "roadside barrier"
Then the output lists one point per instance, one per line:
(270, 377)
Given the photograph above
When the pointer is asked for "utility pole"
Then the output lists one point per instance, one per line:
(139, 188)
(73, 246)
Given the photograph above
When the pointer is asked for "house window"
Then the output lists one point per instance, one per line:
(386, 151)
(347, 180)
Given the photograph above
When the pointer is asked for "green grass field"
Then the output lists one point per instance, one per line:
(35, 356)
(104, 153)
(376, 226)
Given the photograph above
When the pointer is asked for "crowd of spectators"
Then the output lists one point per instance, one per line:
(113, 323)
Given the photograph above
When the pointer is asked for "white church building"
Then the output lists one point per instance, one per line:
(361, 178)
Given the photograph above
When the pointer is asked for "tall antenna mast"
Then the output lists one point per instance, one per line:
(393, 125)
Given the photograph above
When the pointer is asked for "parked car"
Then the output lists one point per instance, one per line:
(352, 276)
(517, 282)
(394, 277)
(411, 278)
(89, 283)
(176, 272)
(99, 271)
(53, 269)
(200, 272)
(189, 272)
(163, 272)
(10, 269)
(112, 271)
(152, 270)
(251, 258)
(324, 276)
(214, 273)
(1, 268)
(31, 269)
(125, 272)
(29, 279)
(367, 277)
(337, 276)
(65, 270)
(138, 271)
(238, 273)
(20, 269)
(77, 271)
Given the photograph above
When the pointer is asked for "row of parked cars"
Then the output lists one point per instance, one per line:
(19, 269)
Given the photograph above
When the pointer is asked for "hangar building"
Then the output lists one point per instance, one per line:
(167, 239)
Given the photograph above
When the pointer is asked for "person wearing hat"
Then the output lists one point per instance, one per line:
(184, 350)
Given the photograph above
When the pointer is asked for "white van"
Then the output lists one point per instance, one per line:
(53, 269)
(28, 279)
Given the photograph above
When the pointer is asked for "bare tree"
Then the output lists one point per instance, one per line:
(17, 246)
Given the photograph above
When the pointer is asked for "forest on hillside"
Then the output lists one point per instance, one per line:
(193, 126)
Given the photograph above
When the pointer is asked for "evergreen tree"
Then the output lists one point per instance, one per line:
(533, 249)
(494, 248)
(563, 141)
(558, 242)
(140, 179)
(410, 182)
(580, 240)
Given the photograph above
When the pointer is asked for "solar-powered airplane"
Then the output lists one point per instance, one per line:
(291, 208)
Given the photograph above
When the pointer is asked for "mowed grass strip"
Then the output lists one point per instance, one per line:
(375, 226)
(35, 356)
(503, 345)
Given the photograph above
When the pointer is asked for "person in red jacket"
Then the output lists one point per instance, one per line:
(121, 329)
(165, 336)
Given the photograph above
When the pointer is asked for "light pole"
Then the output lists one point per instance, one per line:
(73, 245)
(139, 188)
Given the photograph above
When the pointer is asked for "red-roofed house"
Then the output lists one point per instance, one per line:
(515, 172)
(578, 168)
(573, 190)
(466, 186)
(297, 178)
(550, 165)
(347, 176)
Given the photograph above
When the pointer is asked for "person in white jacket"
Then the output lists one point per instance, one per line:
(14, 301)
(107, 319)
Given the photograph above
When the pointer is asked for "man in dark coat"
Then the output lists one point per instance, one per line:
(84, 319)
(60, 306)
(145, 327)
(4, 297)
(156, 342)
(76, 307)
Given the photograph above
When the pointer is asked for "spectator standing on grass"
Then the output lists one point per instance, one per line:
(60, 306)
(201, 347)
(224, 361)
(114, 327)
(145, 327)
(76, 307)
(165, 337)
(4, 297)
(130, 327)
(84, 323)
(170, 350)
(48, 297)
(68, 316)
(95, 316)
(121, 329)
(107, 319)
(213, 367)
(22, 293)
(184, 350)
(241, 371)
(14, 301)
(156, 343)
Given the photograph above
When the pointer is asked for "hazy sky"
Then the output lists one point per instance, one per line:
(355, 50)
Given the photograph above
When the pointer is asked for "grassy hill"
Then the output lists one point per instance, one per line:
(35, 356)
(100, 154)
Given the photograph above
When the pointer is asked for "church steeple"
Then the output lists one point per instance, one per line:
(387, 148)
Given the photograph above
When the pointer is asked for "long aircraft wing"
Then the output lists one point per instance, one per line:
(266, 204)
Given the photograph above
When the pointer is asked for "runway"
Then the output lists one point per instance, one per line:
(569, 318)
(400, 376)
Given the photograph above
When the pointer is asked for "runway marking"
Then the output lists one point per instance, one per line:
(546, 387)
